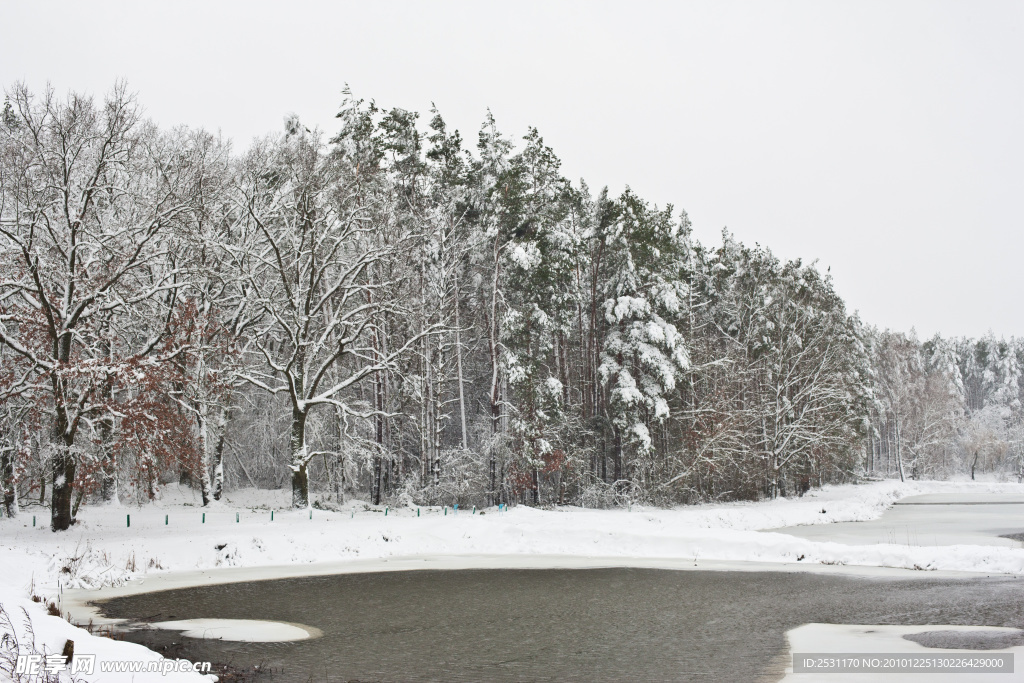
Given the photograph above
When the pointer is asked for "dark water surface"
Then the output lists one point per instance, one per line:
(554, 624)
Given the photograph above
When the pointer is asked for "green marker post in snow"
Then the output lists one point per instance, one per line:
(166, 519)
(128, 519)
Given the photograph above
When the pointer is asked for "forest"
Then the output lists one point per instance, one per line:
(390, 313)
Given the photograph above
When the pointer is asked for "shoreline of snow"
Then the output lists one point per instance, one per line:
(174, 543)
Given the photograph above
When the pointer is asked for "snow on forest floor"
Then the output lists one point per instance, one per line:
(170, 543)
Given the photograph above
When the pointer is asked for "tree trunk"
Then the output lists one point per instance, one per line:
(63, 478)
(204, 457)
(426, 459)
(218, 453)
(300, 481)
(341, 480)
(492, 460)
(8, 484)
(63, 461)
(377, 466)
(493, 337)
(458, 367)
(79, 495)
(108, 467)
(108, 487)
(604, 455)
(340, 492)
(379, 475)
(153, 483)
(899, 450)
(617, 455)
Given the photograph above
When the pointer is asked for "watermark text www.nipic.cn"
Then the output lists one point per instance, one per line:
(38, 665)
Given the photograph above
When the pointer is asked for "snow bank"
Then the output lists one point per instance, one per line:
(248, 531)
(37, 633)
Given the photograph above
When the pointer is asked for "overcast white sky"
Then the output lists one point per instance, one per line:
(885, 139)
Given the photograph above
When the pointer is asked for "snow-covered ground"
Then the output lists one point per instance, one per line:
(175, 542)
(932, 520)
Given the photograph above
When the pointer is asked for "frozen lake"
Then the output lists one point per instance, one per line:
(551, 624)
(935, 519)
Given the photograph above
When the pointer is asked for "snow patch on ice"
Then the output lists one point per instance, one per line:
(240, 630)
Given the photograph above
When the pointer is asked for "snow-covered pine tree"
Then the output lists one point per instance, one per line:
(643, 353)
(542, 257)
(494, 197)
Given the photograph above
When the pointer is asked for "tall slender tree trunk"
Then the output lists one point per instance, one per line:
(458, 367)
(604, 455)
(379, 474)
(899, 450)
(426, 461)
(493, 334)
(436, 414)
(617, 455)
(430, 404)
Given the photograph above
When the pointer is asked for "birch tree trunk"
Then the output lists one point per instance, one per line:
(899, 448)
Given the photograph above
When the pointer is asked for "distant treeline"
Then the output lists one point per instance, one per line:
(385, 312)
